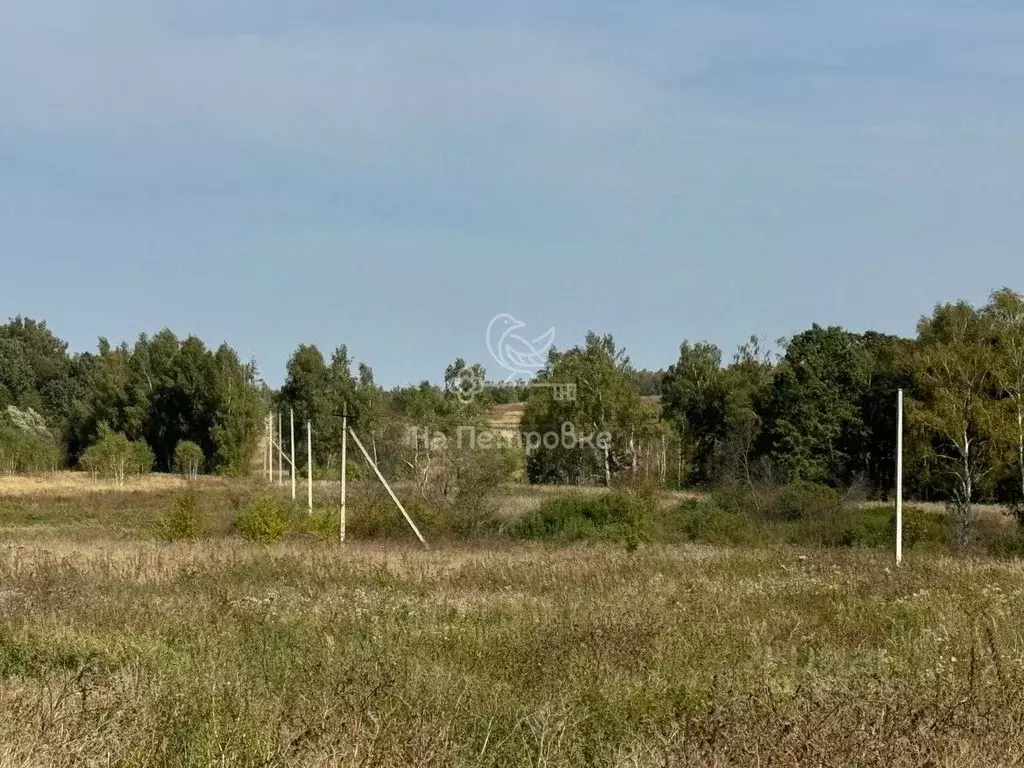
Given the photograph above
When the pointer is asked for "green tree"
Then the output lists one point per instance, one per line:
(813, 412)
(955, 364)
(890, 368)
(26, 443)
(117, 394)
(188, 459)
(1005, 313)
(748, 382)
(238, 409)
(114, 456)
(17, 385)
(695, 399)
(607, 409)
(320, 392)
(44, 370)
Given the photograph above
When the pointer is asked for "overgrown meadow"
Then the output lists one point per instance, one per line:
(141, 628)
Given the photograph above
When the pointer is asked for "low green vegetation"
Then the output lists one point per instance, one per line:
(799, 516)
(222, 624)
(615, 516)
(227, 653)
(184, 520)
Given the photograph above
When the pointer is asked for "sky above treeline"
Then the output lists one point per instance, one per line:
(392, 175)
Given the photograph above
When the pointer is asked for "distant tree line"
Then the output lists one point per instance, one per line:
(825, 411)
(56, 408)
(821, 409)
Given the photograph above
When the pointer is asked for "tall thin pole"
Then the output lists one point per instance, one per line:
(270, 448)
(280, 449)
(899, 480)
(344, 471)
(309, 466)
(291, 412)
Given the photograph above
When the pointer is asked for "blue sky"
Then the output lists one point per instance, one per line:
(393, 175)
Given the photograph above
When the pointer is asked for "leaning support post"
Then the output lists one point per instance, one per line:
(380, 477)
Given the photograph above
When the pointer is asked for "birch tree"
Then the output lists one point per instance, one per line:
(1006, 314)
(954, 372)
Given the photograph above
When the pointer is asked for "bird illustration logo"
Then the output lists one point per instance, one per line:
(514, 352)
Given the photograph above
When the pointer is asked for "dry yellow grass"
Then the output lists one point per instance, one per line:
(82, 483)
(221, 653)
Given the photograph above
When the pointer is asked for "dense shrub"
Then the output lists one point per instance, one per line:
(1008, 543)
(781, 504)
(184, 520)
(264, 521)
(921, 527)
(477, 479)
(621, 516)
(841, 527)
(801, 501)
(371, 514)
(828, 524)
(706, 523)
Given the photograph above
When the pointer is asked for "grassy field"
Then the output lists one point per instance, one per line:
(116, 649)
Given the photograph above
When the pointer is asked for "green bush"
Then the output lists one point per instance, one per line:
(184, 520)
(620, 516)
(703, 522)
(1009, 543)
(734, 499)
(264, 521)
(801, 501)
(780, 504)
(371, 514)
(921, 527)
(807, 515)
(842, 527)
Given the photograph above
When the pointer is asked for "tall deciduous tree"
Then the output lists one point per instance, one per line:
(237, 413)
(1005, 312)
(320, 392)
(955, 364)
(813, 411)
(606, 403)
(748, 383)
(695, 398)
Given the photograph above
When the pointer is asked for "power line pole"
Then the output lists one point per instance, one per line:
(280, 449)
(309, 465)
(899, 478)
(344, 471)
(292, 417)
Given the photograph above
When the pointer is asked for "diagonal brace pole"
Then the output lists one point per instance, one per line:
(380, 477)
